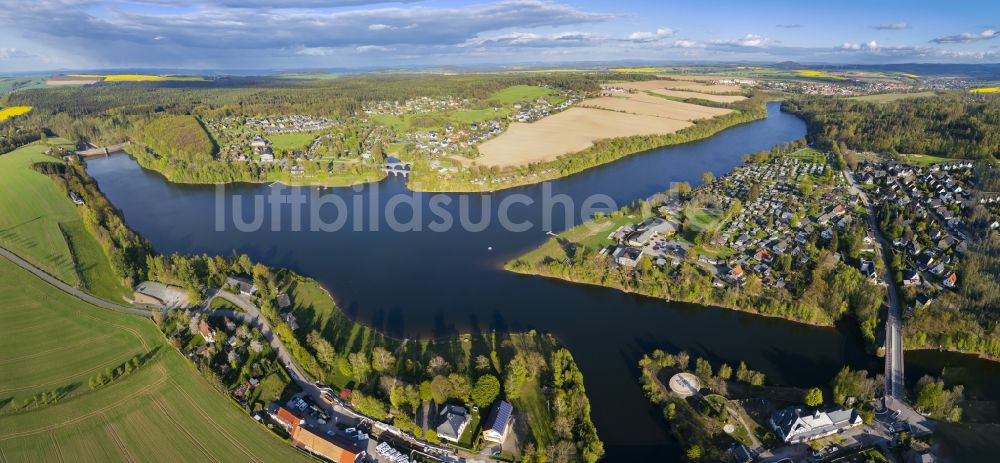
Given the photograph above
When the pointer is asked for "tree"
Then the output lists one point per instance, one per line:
(707, 177)
(725, 372)
(382, 360)
(694, 452)
(813, 397)
(486, 390)
(360, 368)
(425, 391)
(325, 353)
(440, 389)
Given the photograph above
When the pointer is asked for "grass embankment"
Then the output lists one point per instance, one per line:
(13, 111)
(42, 226)
(922, 160)
(162, 411)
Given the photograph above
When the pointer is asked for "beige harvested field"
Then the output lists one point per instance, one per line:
(569, 131)
(703, 96)
(687, 85)
(650, 105)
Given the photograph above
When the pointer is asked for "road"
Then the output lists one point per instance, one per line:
(71, 290)
(894, 379)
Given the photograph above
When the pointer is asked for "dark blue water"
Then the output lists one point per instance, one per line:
(429, 283)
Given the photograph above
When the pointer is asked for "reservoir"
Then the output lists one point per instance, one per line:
(425, 283)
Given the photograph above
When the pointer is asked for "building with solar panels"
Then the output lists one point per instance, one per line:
(498, 422)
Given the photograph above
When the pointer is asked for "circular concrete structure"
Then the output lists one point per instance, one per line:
(685, 384)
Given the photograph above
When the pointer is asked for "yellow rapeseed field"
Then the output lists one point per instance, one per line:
(7, 113)
(635, 70)
(817, 74)
(135, 77)
(985, 90)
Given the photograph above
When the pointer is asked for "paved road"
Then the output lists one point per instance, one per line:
(894, 379)
(69, 289)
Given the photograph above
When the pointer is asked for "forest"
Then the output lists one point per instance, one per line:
(948, 125)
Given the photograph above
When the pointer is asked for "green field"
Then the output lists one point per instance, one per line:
(318, 75)
(888, 97)
(511, 95)
(163, 411)
(922, 160)
(592, 234)
(31, 209)
(47, 230)
(810, 155)
(291, 141)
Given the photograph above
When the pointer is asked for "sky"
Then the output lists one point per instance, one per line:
(47, 35)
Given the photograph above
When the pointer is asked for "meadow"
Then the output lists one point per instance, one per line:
(47, 230)
(291, 141)
(516, 93)
(809, 155)
(13, 111)
(162, 411)
(922, 160)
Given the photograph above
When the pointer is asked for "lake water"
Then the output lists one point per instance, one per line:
(436, 283)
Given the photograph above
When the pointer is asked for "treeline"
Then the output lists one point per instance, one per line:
(13, 137)
(126, 249)
(949, 125)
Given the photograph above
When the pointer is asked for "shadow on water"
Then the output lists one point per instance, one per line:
(421, 284)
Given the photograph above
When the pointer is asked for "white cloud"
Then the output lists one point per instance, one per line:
(371, 48)
(645, 36)
(871, 45)
(747, 41)
(528, 39)
(898, 26)
(682, 43)
(967, 37)
(10, 53)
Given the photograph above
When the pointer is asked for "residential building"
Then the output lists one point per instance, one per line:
(454, 419)
(243, 284)
(285, 418)
(793, 426)
(207, 333)
(498, 422)
(337, 448)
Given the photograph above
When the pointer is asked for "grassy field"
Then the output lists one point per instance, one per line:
(222, 304)
(319, 75)
(888, 97)
(592, 235)
(13, 111)
(10, 84)
(922, 160)
(163, 411)
(511, 95)
(291, 141)
(47, 229)
(31, 209)
(810, 155)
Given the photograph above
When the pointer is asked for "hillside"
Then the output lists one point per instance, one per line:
(178, 138)
(161, 410)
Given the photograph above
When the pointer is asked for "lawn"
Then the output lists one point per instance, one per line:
(592, 234)
(292, 141)
(809, 155)
(922, 160)
(222, 304)
(468, 437)
(533, 403)
(163, 411)
(521, 93)
(93, 264)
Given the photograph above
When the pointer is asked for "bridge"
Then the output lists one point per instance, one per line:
(397, 167)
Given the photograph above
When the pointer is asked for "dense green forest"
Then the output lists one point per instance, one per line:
(949, 125)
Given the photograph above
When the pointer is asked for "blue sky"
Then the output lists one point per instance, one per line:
(303, 34)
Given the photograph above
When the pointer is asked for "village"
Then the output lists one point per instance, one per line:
(923, 210)
(759, 219)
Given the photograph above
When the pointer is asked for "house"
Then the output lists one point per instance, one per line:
(337, 448)
(736, 273)
(258, 142)
(207, 333)
(243, 284)
(289, 319)
(285, 418)
(793, 426)
(454, 419)
(76, 198)
(283, 301)
(868, 268)
(911, 278)
(498, 422)
(950, 280)
(627, 256)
